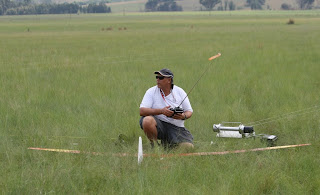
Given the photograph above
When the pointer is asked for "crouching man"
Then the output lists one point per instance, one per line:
(158, 121)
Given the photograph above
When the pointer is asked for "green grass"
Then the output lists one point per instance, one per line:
(68, 84)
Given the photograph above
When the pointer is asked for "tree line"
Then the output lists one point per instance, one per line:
(170, 5)
(162, 5)
(253, 4)
(25, 7)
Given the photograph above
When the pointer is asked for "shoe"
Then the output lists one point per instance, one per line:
(152, 144)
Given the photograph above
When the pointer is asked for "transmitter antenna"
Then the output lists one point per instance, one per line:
(211, 58)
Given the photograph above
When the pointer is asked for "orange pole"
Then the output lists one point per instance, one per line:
(214, 57)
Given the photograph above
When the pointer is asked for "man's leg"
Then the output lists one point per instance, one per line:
(149, 126)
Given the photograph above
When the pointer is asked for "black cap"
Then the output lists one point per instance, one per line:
(165, 72)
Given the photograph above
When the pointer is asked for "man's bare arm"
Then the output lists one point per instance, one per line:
(152, 111)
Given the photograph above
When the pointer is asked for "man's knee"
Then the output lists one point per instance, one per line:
(149, 126)
(148, 122)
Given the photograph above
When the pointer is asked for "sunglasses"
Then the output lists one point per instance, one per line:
(160, 77)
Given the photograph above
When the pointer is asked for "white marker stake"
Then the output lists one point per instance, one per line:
(140, 151)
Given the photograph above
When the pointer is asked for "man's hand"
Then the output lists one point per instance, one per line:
(166, 111)
(182, 116)
(179, 116)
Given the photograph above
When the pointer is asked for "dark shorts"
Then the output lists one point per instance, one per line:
(171, 134)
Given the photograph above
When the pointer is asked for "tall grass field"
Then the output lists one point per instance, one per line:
(75, 82)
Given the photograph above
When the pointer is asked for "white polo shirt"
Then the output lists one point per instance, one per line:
(154, 99)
